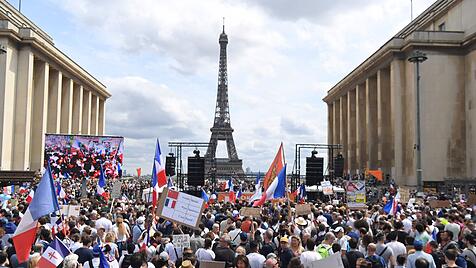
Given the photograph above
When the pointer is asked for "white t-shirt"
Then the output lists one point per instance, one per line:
(174, 253)
(454, 228)
(256, 260)
(105, 223)
(308, 257)
(205, 254)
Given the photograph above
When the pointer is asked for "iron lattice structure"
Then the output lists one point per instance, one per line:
(222, 130)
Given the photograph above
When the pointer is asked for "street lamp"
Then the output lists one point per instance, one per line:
(418, 57)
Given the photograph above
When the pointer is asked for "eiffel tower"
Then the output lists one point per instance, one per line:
(222, 130)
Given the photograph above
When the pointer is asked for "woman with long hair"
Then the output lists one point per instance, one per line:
(122, 234)
(242, 261)
(296, 247)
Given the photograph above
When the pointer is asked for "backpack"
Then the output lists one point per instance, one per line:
(375, 261)
(461, 261)
(323, 250)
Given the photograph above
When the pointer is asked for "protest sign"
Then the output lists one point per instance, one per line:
(212, 264)
(253, 212)
(70, 210)
(440, 203)
(303, 209)
(327, 188)
(116, 189)
(334, 261)
(404, 194)
(356, 194)
(471, 200)
(180, 208)
(181, 241)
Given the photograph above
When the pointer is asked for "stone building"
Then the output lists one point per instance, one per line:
(371, 111)
(42, 90)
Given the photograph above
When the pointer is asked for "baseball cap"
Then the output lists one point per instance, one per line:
(338, 229)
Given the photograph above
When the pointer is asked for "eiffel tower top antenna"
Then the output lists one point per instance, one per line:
(223, 24)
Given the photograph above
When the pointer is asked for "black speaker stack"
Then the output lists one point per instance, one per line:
(196, 171)
(314, 170)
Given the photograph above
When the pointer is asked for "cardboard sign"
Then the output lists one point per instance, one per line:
(212, 264)
(181, 241)
(70, 210)
(180, 208)
(303, 209)
(471, 200)
(404, 194)
(116, 190)
(440, 203)
(250, 212)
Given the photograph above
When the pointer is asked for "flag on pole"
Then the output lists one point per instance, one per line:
(59, 190)
(302, 193)
(101, 183)
(231, 195)
(53, 255)
(258, 193)
(159, 179)
(277, 188)
(170, 183)
(119, 169)
(240, 192)
(139, 171)
(43, 203)
(276, 166)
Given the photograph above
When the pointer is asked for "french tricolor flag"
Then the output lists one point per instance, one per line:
(43, 203)
(30, 196)
(101, 183)
(54, 254)
(159, 179)
(277, 188)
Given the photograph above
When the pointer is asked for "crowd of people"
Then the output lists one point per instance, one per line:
(129, 234)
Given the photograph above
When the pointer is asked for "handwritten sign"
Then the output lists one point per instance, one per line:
(404, 194)
(303, 209)
(181, 241)
(70, 210)
(250, 212)
(327, 188)
(180, 208)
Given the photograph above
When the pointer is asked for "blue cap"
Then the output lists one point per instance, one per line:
(418, 244)
(243, 236)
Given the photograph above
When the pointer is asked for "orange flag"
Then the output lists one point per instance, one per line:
(275, 168)
(378, 174)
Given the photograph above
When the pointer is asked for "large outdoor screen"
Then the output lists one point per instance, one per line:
(80, 156)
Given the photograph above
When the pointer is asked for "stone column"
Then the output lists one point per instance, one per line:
(86, 126)
(8, 70)
(343, 129)
(397, 84)
(77, 108)
(371, 120)
(23, 109)
(351, 132)
(54, 101)
(384, 121)
(336, 120)
(39, 116)
(94, 114)
(66, 105)
(330, 123)
(361, 137)
(102, 117)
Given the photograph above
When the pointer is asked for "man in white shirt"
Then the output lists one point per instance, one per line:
(398, 248)
(104, 222)
(310, 255)
(256, 260)
(174, 253)
(419, 254)
(453, 227)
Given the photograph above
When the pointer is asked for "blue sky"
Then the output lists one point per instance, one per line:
(159, 59)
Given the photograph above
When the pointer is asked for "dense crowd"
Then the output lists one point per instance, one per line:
(129, 235)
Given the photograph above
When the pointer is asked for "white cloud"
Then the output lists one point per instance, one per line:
(282, 59)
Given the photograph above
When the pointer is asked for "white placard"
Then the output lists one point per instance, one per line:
(116, 190)
(180, 207)
(327, 188)
(181, 241)
(334, 261)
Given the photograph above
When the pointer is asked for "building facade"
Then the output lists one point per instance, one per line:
(41, 91)
(371, 111)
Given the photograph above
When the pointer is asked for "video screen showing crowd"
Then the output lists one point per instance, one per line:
(150, 223)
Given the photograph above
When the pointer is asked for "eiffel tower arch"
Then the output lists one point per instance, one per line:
(222, 130)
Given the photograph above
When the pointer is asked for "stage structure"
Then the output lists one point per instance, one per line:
(331, 148)
(222, 130)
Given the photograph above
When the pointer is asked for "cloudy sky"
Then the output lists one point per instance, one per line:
(159, 59)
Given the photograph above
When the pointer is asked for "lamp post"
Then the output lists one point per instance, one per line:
(418, 57)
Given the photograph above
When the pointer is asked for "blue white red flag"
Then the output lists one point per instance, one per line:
(277, 188)
(54, 254)
(43, 203)
(159, 179)
(101, 183)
